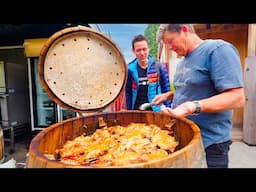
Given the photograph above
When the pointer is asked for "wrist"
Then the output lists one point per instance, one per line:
(197, 107)
(170, 95)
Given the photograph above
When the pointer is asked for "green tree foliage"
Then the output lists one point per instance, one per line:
(150, 33)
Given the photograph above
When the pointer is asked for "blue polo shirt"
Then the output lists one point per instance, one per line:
(213, 67)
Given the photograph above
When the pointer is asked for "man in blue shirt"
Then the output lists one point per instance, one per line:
(208, 85)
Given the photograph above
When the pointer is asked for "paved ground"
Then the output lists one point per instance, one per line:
(242, 156)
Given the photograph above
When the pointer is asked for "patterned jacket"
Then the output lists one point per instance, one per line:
(154, 89)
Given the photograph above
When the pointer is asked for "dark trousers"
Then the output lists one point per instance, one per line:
(217, 155)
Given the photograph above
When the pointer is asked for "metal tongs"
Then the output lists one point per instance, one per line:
(145, 106)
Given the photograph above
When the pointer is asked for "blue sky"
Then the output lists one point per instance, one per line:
(122, 35)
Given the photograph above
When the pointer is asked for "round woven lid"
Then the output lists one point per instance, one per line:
(81, 69)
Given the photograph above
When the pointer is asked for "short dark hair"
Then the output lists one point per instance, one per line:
(173, 28)
(138, 38)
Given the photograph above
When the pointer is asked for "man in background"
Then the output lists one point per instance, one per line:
(146, 77)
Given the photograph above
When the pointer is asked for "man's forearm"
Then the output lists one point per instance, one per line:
(231, 99)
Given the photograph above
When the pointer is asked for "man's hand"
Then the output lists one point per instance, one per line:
(162, 97)
(187, 108)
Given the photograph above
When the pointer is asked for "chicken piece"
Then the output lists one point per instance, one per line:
(164, 141)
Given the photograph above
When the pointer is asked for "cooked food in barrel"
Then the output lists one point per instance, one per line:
(118, 146)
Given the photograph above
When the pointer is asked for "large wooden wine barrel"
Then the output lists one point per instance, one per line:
(188, 154)
(1, 145)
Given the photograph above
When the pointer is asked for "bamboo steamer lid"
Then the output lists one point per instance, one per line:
(82, 69)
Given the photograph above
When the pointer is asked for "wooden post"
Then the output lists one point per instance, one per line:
(252, 40)
(249, 123)
(249, 119)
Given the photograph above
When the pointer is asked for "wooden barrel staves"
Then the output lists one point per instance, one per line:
(81, 69)
(188, 154)
(1, 145)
